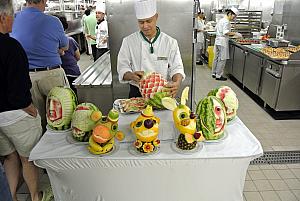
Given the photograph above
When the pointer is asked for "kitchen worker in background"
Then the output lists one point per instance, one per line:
(43, 37)
(200, 26)
(221, 48)
(149, 50)
(20, 123)
(87, 12)
(101, 30)
(70, 57)
(90, 24)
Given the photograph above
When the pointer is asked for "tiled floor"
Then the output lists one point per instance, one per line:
(263, 182)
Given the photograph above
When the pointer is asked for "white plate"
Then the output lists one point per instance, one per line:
(71, 140)
(57, 131)
(198, 147)
(132, 150)
(218, 140)
(232, 121)
(114, 150)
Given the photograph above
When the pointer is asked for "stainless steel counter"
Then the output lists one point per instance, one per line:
(276, 82)
(95, 84)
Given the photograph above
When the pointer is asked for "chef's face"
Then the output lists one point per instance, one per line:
(148, 26)
(231, 17)
(99, 15)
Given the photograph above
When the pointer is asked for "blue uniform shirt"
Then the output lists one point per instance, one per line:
(41, 36)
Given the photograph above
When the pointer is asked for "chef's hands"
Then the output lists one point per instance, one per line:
(31, 110)
(172, 88)
(135, 76)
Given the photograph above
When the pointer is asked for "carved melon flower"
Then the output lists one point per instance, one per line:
(156, 142)
(138, 144)
(148, 147)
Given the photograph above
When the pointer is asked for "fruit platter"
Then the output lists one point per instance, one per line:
(247, 41)
(276, 53)
(131, 105)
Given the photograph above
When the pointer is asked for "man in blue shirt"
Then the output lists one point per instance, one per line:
(43, 38)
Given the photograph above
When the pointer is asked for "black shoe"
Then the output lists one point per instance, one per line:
(213, 76)
(221, 78)
(199, 63)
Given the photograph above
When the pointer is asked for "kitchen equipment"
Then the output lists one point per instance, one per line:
(277, 42)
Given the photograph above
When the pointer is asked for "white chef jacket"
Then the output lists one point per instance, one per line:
(222, 28)
(101, 34)
(200, 26)
(134, 55)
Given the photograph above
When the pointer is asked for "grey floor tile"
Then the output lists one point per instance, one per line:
(271, 174)
(293, 184)
(269, 196)
(296, 172)
(266, 167)
(263, 185)
(280, 166)
(286, 196)
(247, 177)
(294, 166)
(279, 185)
(286, 174)
(253, 167)
(249, 186)
(256, 174)
(23, 189)
(22, 197)
(296, 193)
(253, 196)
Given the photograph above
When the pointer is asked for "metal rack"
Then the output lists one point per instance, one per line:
(247, 22)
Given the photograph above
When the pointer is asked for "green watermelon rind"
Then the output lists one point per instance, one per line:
(206, 123)
(66, 93)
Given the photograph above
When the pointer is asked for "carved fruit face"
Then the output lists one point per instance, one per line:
(184, 120)
(55, 109)
(219, 116)
(145, 128)
(228, 97)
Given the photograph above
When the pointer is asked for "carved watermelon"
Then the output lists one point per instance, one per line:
(84, 120)
(228, 97)
(211, 119)
(151, 87)
(60, 105)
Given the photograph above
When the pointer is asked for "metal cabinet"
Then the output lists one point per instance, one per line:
(252, 72)
(238, 64)
(270, 83)
(228, 66)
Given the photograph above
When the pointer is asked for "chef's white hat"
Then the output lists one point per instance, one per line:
(235, 10)
(100, 7)
(145, 8)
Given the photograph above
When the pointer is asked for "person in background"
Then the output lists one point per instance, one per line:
(101, 30)
(200, 26)
(87, 12)
(90, 24)
(149, 50)
(20, 123)
(221, 48)
(43, 37)
(70, 57)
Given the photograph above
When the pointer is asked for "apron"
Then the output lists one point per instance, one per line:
(224, 42)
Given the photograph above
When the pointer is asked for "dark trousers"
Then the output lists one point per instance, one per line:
(94, 52)
(134, 92)
(100, 52)
(71, 79)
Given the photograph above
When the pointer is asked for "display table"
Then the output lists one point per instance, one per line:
(217, 172)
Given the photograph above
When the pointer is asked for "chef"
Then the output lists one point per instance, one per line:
(149, 50)
(221, 48)
(200, 26)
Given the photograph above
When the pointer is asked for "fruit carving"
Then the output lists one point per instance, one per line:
(185, 122)
(60, 105)
(145, 127)
(151, 87)
(228, 97)
(84, 120)
(102, 139)
(211, 118)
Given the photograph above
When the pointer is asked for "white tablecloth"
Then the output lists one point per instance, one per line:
(216, 172)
